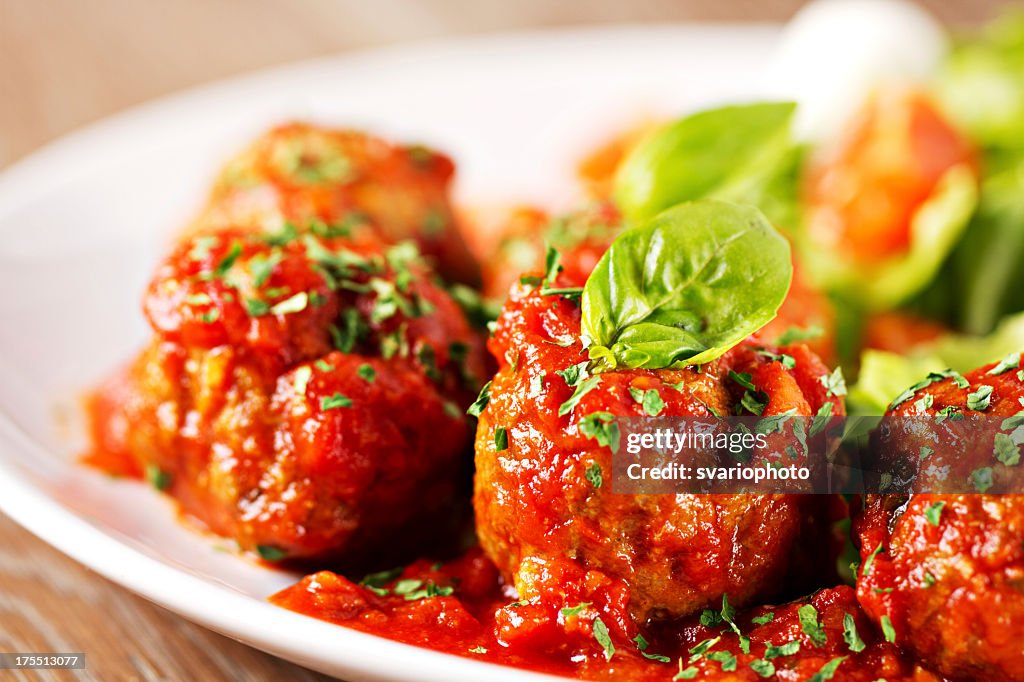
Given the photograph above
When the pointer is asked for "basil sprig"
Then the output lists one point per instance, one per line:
(684, 287)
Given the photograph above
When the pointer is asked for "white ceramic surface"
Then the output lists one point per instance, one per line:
(83, 221)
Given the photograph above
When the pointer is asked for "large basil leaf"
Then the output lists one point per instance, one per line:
(735, 153)
(685, 286)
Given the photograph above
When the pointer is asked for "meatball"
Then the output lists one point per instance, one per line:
(302, 394)
(344, 180)
(945, 572)
(535, 493)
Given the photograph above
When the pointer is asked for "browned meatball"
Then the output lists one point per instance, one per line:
(946, 571)
(343, 180)
(538, 490)
(303, 395)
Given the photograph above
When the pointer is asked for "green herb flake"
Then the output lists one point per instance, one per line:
(763, 619)
(808, 616)
(688, 673)
(323, 366)
(367, 373)
(603, 638)
(593, 474)
(537, 384)
(788, 361)
(157, 477)
(982, 479)
(763, 668)
(582, 389)
(335, 401)
(1011, 361)
(698, 651)
(210, 316)
(924, 402)
(929, 579)
(789, 649)
(934, 513)
(980, 399)
(834, 383)
(726, 658)
(821, 419)
(570, 611)
(574, 374)
(481, 401)
(850, 635)
(601, 427)
(888, 631)
(254, 307)
(271, 553)
(478, 650)
(925, 452)
(869, 562)
(500, 439)
(1006, 450)
(827, 671)
(228, 261)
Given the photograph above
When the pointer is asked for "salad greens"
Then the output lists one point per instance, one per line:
(684, 287)
(736, 153)
(884, 375)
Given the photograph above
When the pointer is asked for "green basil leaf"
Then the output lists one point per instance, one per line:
(735, 153)
(684, 287)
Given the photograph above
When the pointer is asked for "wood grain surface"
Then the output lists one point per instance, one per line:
(64, 63)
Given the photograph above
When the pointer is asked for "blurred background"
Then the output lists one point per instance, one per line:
(64, 63)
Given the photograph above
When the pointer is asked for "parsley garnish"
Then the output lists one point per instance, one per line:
(934, 513)
(1006, 449)
(601, 427)
(808, 616)
(980, 399)
(888, 630)
(582, 389)
(850, 635)
(821, 419)
(481, 401)
(828, 670)
(603, 638)
(763, 620)
(869, 562)
(335, 401)
(366, 372)
(271, 553)
(593, 475)
(500, 439)
(650, 400)
(763, 668)
(771, 651)
(834, 383)
(1011, 361)
(157, 477)
(982, 479)
(570, 611)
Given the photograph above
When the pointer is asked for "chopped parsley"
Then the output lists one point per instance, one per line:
(925, 452)
(481, 401)
(726, 658)
(982, 479)
(869, 562)
(924, 402)
(834, 383)
(582, 389)
(603, 638)
(821, 419)
(254, 307)
(771, 651)
(888, 631)
(500, 439)
(1011, 361)
(808, 616)
(934, 513)
(933, 377)
(642, 644)
(763, 668)
(570, 611)
(980, 399)
(478, 650)
(763, 620)
(1006, 449)
(574, 374)
(335, 401)
(367, 373)
(157, 477)
(601, 427)
(650, 400)
(788, 361)
(593, 475)
(850, 635)
(271, 553)
(827, 671)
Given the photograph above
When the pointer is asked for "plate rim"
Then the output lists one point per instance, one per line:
(214, 606)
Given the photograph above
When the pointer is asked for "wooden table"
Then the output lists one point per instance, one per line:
(64, 63)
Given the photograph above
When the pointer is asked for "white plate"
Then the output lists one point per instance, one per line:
(83, 221)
